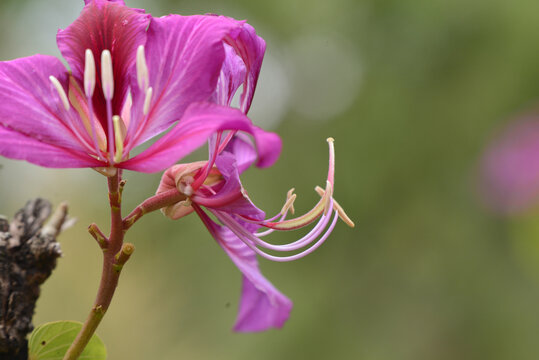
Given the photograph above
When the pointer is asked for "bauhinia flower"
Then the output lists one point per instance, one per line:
(510, 168)
(213, 188)
(132, 77)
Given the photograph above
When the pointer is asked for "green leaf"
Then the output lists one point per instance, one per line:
(50, 341)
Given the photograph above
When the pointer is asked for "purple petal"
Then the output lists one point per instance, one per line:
(231, 77)
(30, 105)
(232, 189)
(15, 145)
(262, 306)
(105, 25)
(184, 56)
(100, 2)
(268, 146)
(244, 151)
(251, 48)
(510, 168)
(199, 122)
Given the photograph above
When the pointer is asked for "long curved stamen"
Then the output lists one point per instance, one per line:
(331, 167)
(107, 81)
(338, 207)
(247, 242)
(89, 88)
(298, 244)
(288, 205)
(320, 208)
(301, 221)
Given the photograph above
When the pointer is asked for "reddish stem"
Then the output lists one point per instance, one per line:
(115, 254)
(156, 202)
(110, 274)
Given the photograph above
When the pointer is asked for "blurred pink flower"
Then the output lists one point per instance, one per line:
(131, 78)
(217, 190)
(510, 168)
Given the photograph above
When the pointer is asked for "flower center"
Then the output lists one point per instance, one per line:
(102, 143)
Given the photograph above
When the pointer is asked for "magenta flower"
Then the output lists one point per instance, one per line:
(131, 78)
(217, 190)
(510, 168)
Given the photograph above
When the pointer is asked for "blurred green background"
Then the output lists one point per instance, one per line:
(411, 91)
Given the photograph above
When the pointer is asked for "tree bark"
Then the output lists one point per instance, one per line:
(28, 253)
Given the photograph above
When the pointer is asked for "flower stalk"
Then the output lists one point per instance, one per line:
(115, 254)
(109, 278)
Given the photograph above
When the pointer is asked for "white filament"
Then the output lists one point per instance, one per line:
(252, 240)
(60, 91)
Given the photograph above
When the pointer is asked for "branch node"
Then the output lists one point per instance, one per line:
(98, 235)
(123, 255)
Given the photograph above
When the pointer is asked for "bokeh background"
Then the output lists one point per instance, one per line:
(412, 91)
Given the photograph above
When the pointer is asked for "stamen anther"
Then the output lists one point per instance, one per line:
(118, 138)
(61, 92)
(89, 73)
(289, 204)
(142, 69)
(336, 206)
(107, 78)
(147, 101)
(288, 195)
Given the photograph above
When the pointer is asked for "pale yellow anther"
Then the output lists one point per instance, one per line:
(89, 73)
(61, 91)
(142, 69)
(288, 195)
(336, 206)
(147, 101)
(289, 204)
(118, 138)
(107, 77)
